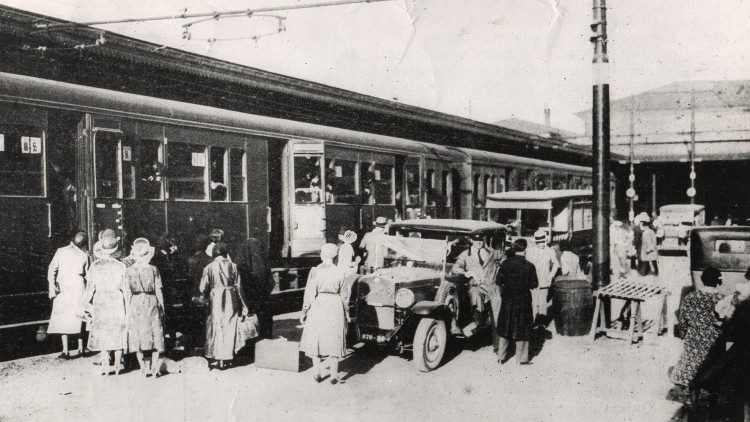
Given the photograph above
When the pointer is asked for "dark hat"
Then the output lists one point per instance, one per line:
(476, 236)
(520, 245)
(711, 277)
(216, 234)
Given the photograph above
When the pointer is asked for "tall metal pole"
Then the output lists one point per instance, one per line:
(691, 192)
(600, 144)
(631, 176)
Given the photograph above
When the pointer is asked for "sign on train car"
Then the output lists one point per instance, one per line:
(566, 215)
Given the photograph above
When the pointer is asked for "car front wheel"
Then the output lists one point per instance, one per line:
(430, 342)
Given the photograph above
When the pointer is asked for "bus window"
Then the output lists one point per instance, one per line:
(341, 181)
(559, 181)
(477, 198)
(532, 220)
(489, 185)
(307, 182)
(218, 174)
(21, 161)
(151, 169)
(500, 184)
(107, 164)
(430, 190)
(237, 171)
(187, 171)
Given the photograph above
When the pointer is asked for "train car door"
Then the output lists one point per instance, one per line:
(306, 200)
(110, 178)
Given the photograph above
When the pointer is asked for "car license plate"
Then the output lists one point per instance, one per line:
(373, 337)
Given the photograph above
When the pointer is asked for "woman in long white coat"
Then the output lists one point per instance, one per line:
(66, 288)
(324, 314)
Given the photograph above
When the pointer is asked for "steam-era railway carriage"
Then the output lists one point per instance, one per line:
(74, 157)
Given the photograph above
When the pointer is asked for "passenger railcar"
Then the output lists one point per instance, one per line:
(74, 157)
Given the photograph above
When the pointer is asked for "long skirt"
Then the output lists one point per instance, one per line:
(516, 317)
(145, 325)
(325, 328)
(65, 307)
(221, 324)
(108, 322)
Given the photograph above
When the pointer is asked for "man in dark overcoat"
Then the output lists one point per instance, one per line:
(516, 278)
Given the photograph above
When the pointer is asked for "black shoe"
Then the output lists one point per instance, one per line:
(64, 356)
(318, 378)
(334, 381)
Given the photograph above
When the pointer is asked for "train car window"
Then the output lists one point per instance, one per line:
(489, 185)
(559, 181)
(187, 171)
(237, 172)
(446, 189)
(307, 181)
(21, 161)
(500, 183)
(412, 184)
(219, 181)
(107, 145)
(477, 189)
(150, 169)
(341, 181)
(128, 169)
(383, 181)
(432, 194)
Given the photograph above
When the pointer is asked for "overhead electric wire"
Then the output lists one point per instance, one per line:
(211, 15)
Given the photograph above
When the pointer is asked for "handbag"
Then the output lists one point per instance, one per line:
(247, 329)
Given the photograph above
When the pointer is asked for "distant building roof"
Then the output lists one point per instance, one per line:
(663, 121)
(537, 129)
(678, 96)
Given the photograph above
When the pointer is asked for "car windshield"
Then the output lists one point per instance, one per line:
(411, 251)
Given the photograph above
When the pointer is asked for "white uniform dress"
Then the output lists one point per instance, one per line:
(326, 301)
(66, 272)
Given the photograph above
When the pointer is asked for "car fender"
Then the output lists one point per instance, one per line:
(432, 309)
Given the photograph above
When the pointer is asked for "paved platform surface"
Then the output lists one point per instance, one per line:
(571, 379)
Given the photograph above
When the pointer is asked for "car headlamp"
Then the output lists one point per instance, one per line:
(404, 298)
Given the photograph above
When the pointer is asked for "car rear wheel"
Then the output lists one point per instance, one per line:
(430, 342)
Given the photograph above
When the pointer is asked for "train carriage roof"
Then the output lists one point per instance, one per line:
(47, 93)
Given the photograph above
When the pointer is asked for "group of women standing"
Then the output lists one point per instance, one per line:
(127, 312)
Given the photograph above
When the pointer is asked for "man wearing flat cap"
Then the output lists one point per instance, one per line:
(479, 263)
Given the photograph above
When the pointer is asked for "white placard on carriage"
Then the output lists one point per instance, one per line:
(377, 174)
(199, 159)
(25, 145)
(2, 142)
(127, 154)
(35, 145)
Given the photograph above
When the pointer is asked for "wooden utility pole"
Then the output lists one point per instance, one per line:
(600, 144)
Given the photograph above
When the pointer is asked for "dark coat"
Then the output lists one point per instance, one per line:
(516, 277)
(257, 283)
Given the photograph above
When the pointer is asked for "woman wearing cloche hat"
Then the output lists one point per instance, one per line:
(106, 287)
(146, 310)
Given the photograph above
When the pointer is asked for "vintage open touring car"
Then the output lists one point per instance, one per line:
(402, 304)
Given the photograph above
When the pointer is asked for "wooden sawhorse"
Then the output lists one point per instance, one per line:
(634, 293)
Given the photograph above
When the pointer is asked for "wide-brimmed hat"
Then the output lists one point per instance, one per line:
(540, 236)
(381, 221)
(108, 247)
(216, 234)
(107, 233)
(348, 236)
(142, 249)
(642, 217)
(329, 251)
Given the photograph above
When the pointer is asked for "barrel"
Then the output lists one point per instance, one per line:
(573, 306)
